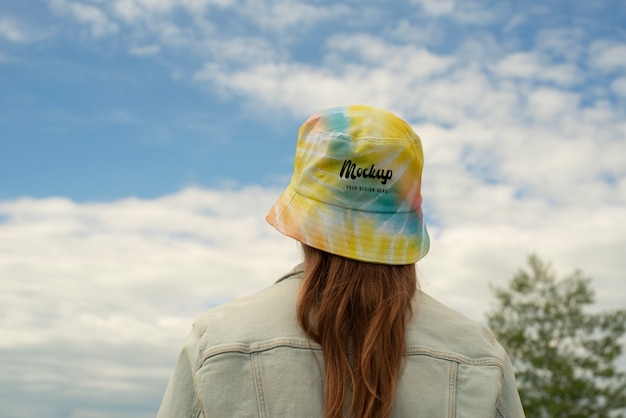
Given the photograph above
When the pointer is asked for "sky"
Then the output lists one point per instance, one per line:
(142, 143)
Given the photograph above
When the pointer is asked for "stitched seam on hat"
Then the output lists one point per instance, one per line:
(342, 207)
(345, 136)
(279, 215)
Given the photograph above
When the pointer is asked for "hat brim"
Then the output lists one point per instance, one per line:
(384, 238)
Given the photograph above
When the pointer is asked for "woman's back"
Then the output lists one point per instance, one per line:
(250, 358)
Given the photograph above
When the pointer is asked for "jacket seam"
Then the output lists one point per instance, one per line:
(198, 410)
(502, 411)
(258, 384)
(452, 389)
(251, 348)
(199, 413)
(457, 358)
(296, 273)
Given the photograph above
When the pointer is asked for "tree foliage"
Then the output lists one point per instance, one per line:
(564, 355)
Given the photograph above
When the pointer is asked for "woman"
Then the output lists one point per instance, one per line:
(347, 333)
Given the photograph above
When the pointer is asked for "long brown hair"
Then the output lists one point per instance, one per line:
(358, 313)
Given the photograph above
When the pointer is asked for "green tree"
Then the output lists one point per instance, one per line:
(564, 355)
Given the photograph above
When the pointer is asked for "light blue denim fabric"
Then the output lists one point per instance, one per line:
(249, 358)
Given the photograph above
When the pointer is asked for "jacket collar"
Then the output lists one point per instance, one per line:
(297, 272)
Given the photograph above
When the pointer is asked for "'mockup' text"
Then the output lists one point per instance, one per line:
(349, 170)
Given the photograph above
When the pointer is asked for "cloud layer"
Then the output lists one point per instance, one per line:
(96, 298)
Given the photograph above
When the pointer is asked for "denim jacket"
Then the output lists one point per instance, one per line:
(249, 358)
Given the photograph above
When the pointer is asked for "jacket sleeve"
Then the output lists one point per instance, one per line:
(180, 400)
(509, 403)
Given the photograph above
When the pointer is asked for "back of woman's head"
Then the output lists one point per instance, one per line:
(358, 313)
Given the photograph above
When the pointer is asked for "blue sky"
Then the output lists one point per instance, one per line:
(84, 118)
(143, 141)
(103, 100)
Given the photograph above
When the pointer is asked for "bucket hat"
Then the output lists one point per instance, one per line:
(356, 187)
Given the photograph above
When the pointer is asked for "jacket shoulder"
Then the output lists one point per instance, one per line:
(437, 327)
(252, 320)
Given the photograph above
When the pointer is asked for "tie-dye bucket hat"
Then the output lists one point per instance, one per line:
(355, 189)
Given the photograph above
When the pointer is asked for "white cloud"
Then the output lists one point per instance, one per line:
(12, 30)
(149, 17)
(134, 10)
(415, 33)
(619, 86)
(366, 50)
(358, 68)
(436, 7)
(93, 16)
(128, 10)
(489, 250)
(143, 51)
(279, 15)
(515, 21)
(548, 104)
(537, 67)
(467, 12)
(244, 51)
(567, 42)
(90, 284)
(88, 14)
(607, 55)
